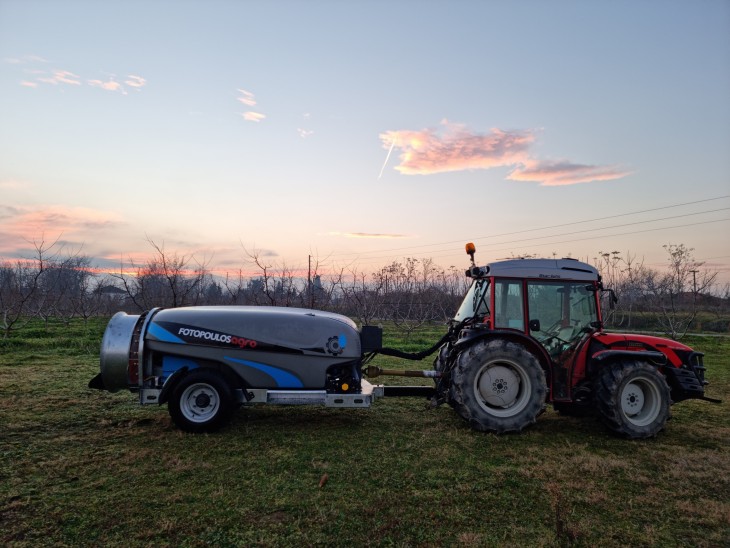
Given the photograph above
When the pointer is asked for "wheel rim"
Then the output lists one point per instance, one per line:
(640, 401)
(502, 388)
(199, 402)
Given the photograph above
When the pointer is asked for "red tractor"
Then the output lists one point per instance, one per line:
(529, 332)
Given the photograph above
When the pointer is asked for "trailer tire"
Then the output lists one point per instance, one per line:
(633, 399)
(498, 386)
(202, 401)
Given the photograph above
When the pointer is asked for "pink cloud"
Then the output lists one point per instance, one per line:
(110, 85)
(251, 116)
(559, 173)
(454, 148)
(428, 151)
(61, 77)
(35, 76)
(18, 224)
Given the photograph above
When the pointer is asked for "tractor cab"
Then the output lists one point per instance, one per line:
(554, 302)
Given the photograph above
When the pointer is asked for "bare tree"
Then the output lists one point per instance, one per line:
(166, 279)
(276, 285)
(673, 296)
(20, 281)
(364, 298)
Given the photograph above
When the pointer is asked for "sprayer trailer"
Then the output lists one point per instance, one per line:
(528, 333)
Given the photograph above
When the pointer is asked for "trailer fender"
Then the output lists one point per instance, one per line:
(170, 383)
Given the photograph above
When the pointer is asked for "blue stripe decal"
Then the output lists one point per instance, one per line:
(283, 379)
(170, 364)
(162, 334)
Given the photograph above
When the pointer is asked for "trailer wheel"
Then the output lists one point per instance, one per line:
(498, 386)
(201, 402)
(633, 399)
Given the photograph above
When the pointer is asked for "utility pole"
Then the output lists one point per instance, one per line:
(694, 282)
(309, 283)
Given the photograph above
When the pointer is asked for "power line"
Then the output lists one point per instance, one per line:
(390, 250)
(367, 259)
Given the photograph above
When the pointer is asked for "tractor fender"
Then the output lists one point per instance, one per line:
(649, 356)
(512, 336)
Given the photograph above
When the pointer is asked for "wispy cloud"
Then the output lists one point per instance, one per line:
(18, 224)
(453, 147)
(304, 133)
(35, 75)
(57, 77)
(371, 235)
(134, 81)
(559, 173)
(247, 98)
(109, 85)
(25, 59)
(252, 116)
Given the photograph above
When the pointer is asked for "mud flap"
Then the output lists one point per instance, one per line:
(97, 383)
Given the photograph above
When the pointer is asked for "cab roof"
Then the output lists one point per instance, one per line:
(547, 269)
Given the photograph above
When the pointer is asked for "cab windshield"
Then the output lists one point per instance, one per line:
(476, 301)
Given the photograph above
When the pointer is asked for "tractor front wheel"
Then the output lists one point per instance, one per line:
(633, 399)
(498, 386)
(201, 402)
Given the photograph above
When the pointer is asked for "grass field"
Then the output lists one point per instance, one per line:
(83, 467)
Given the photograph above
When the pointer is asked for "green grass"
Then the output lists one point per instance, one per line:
(83, 467)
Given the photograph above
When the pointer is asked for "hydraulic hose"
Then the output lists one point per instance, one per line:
(409, 356)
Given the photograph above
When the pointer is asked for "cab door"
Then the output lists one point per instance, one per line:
(562, 314)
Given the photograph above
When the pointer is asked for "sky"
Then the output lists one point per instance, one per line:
(363, 132)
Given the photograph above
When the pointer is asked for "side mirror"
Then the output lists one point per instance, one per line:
(534, 325)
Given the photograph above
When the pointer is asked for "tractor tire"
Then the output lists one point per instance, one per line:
(498, 386)
(202, 401)
(442, 384)
(633, 399)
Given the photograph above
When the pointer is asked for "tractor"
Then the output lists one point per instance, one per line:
(528, 333)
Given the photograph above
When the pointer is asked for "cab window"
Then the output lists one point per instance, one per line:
(508, 308)
(564, 310)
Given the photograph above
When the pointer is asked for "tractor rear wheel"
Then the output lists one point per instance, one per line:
(201, 402)
(633, 399)
(498, 386)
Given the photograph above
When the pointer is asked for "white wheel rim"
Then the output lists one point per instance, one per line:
(502, 388)
(199, 402)
(640, 401)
